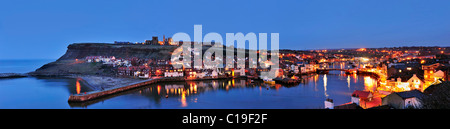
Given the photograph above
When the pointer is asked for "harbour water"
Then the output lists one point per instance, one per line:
(32, 92)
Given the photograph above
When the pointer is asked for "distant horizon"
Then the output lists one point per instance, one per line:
(302, 49)
(4, 59)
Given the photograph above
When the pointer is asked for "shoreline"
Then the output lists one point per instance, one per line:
(100, 83)
(103, 86)
(97, 94)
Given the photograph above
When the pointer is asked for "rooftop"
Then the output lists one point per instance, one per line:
(348, 106)
(361, 94)
(411, 94)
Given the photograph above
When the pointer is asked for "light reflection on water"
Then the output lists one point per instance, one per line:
(241, 94)
(217, 94)
(78, 86)
(325, 85)
(53, 93)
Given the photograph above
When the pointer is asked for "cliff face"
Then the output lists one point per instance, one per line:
(81, 50)
(67, 64)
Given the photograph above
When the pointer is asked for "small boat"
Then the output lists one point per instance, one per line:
(288, 81)
(269, 81)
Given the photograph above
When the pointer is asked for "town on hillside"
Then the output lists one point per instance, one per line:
(407, 77)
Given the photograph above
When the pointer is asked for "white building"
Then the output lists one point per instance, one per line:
(173, 74)
(104, 59)
(202, 74)
(355, 100)
(308, 68)
(415, 82)
(329, 104)
(295, 68)
(145, 76)
(240, 71)
(214, 73)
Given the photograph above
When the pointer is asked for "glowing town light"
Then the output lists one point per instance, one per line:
(422, 61)
(361, 49)
(365, 59)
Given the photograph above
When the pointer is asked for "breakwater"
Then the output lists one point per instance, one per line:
(111, 91)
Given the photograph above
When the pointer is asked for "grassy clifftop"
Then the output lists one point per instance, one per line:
(81, 50)
(67, 63)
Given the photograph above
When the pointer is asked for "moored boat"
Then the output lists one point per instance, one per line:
(269, 81)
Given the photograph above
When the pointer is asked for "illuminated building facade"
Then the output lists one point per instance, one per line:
(429, 72)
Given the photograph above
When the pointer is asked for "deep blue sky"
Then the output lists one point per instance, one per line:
(42, 29)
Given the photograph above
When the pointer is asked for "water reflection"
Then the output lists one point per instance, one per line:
(222, 94)
(241, 93)
(348, 81)
(78, 86)
(325, 81)
(183, 99)
(159, 89)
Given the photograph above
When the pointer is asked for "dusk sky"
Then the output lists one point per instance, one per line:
(42, 29)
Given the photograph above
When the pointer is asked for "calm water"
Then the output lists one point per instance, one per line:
(222, 94)
(22, 66)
